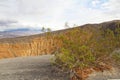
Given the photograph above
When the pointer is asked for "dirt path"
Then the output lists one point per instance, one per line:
(30, 68)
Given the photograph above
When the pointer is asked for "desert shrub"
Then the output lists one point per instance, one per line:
(116, 56)
(76, 51)
(82, 48)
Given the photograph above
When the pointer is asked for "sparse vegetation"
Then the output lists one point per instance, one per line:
(116, 56)
(87, 48)
(46, 29)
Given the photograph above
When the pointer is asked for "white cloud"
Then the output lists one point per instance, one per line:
(35, 12)
(11, 24)
(54, 13)
(112, 7)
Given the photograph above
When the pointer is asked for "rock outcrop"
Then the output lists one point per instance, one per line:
(26, 46)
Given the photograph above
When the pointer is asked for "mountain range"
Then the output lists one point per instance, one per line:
(19, 32)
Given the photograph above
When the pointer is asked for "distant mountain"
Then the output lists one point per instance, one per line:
(28, 32)
(19, 32)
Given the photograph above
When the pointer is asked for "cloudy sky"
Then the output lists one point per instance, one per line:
(54, 13)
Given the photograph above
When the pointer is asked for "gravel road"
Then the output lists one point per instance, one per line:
(30, 68)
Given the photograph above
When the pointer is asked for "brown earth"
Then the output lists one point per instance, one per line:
(28, 47)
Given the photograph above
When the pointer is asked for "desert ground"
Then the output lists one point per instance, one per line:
(30, 68)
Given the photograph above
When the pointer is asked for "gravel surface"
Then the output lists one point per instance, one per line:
(113, 74)
(30, 68)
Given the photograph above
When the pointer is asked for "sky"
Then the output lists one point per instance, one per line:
(54, 14)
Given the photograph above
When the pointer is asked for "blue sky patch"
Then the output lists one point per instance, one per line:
(95, 4)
